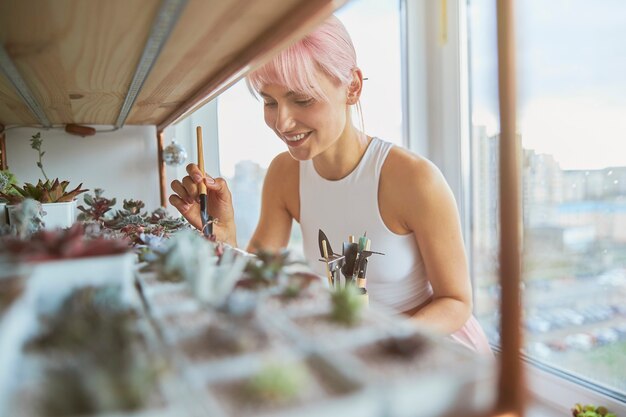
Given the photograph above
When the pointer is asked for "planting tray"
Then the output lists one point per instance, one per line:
(326, 391)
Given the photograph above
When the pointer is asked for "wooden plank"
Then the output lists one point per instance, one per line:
(209, 34)
(294, 24)
(80, 60)
(511, 393)
(13, 111)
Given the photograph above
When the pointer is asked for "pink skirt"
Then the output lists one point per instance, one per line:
(472, 336)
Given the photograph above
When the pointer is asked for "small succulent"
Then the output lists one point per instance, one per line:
(347, 305)
(133, 223)
(35, 143)
(61, 244)
(185, 256)
(27, 218)
(7, 179)
(44, 192)
(277, 383)
(97, 206)
(297, 284)
(267, 269)
(132, 207)
(580, 410)
(103, 370)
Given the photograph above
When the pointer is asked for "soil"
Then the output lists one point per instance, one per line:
(386, 361)
(223, 338)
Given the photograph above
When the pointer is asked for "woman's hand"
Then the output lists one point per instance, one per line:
(187, 202)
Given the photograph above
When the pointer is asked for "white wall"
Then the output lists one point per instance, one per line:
(123, 163)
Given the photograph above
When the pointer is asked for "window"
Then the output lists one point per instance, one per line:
(247, 145)
(571, 102)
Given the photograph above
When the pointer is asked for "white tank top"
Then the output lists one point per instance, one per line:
(349, 206)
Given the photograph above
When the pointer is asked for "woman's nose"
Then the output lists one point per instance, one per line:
(284, 119)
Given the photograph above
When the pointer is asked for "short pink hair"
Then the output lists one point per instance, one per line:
(328, 49)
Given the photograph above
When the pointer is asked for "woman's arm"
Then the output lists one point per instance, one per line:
(280, 192)
(428, 209)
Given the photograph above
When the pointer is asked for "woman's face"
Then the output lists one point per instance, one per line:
(308, 126)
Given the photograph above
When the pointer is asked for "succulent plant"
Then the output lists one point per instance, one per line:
(580, 410)
(7, 179)
(27, 218)
(133, 223)
(35, 143)
(44, 192)
(61, 244)
(267, 269)
(298, 283)
(347, 305)
(103, 370)
(97, 206)
(277, 383)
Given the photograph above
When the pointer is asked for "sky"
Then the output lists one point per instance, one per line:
(571, 78)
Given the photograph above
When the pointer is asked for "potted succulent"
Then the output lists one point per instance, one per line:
(58, 203)
(589, 410)
(6, 188)
(104, 365)
(64, 259)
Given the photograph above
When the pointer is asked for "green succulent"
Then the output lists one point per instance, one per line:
(347, 305)
(277, 383)
(589, 410)
(7, 179)
(44, 192)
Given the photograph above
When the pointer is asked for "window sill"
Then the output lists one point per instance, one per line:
(553, 395)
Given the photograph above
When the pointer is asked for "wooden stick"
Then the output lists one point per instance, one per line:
(161, 162)
(200, 157)
(511, 393)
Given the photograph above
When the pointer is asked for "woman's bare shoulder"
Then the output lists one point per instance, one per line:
(407, 169)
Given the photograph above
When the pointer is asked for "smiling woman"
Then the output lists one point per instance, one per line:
(337, 178)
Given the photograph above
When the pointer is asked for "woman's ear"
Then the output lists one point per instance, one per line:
(355, 87)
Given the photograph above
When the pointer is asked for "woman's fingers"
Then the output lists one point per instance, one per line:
(194, 173)
(189, 211)
(182, 191)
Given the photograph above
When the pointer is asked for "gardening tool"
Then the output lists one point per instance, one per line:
(207, 220)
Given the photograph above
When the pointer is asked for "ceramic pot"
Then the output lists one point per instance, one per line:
(56, 215)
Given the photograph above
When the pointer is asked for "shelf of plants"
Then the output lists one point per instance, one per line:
(130, 313)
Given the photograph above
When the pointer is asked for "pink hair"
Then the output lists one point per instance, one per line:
(328, 48)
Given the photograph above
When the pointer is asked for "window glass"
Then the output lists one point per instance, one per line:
(247, 145)
(571, 103)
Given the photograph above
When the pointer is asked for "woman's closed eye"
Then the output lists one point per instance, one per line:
(304, 102)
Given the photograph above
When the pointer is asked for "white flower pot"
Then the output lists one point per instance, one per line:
(4, 217)
(51, 282)
(56, 215)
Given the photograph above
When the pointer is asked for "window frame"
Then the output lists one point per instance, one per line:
(438, 126)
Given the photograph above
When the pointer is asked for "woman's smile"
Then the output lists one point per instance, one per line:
(296, 140)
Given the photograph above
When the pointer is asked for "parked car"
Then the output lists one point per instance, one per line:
(605, 336)
(580, 341)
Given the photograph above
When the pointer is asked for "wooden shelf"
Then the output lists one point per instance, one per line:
(78, 58)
